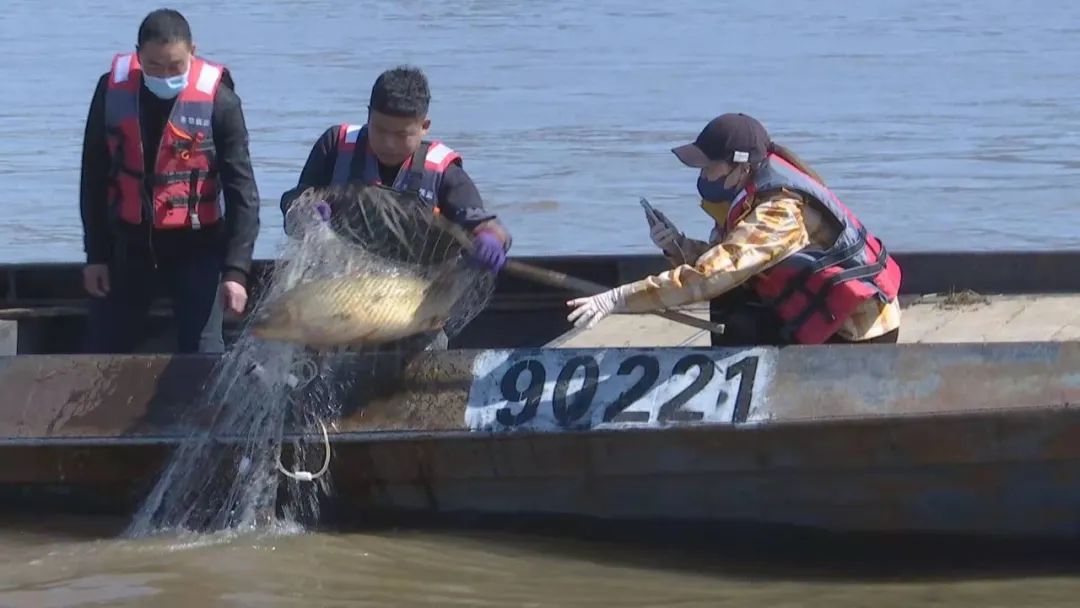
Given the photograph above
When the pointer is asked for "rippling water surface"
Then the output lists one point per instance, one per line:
(950, 124)
(68, 563)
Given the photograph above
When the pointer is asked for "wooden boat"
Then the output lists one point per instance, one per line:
(966, 428)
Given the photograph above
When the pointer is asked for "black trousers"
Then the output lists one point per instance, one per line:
(747, 322)
(191, 280)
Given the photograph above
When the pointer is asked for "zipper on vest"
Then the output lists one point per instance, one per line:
(143, 206)
(148, 219)
(147, 209)
(150, 244)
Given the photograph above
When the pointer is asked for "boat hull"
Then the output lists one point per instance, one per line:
(977, 439)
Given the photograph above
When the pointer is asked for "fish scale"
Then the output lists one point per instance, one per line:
(357, 310)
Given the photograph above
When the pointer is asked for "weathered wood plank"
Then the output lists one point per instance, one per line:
(1025, 318)
(639, 331)
(1020, 318)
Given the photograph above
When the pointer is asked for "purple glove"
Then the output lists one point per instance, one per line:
(488, 251)
(323, 209)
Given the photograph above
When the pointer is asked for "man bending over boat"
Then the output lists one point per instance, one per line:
(787, 260)
(391, 149)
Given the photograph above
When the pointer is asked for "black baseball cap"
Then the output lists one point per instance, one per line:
(733, 137)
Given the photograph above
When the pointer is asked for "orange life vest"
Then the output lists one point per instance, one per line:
(815, 290)
(184, 190)
(420, 174)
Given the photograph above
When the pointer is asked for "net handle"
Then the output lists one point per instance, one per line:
(554, 278)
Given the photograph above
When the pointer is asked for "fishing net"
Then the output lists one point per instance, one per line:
(227, 476)
(376, 230)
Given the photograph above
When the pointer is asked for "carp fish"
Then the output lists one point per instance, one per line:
(359, 310)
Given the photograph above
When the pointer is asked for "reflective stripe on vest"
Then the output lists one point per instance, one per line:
(424, 182)
(184, 190)
(814, 291)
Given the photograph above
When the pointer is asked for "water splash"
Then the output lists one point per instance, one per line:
(225, 478)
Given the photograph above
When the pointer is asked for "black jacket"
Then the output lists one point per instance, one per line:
(235, 235)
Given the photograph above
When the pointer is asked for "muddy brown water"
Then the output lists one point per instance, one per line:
(54, 562)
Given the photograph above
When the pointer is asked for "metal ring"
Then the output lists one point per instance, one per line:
(305, 370)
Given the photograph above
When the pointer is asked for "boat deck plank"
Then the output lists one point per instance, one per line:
(1002, 319)
(641, 331)
(929, 319)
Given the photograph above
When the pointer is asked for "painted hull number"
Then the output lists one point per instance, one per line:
(578, 390)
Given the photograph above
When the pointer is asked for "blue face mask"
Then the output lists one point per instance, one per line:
(715, 191)
(166, 88)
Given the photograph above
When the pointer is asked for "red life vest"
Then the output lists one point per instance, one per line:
(421, 174)
(184, 190)
(815, 290)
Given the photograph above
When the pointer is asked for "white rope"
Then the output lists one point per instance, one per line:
(307, 475)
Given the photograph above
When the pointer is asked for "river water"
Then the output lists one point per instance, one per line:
(945, 124)
(67, 563)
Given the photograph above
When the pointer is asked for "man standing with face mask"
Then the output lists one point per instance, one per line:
(813, 272)
(165, 145)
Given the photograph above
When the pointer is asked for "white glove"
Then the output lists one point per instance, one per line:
(589, 311)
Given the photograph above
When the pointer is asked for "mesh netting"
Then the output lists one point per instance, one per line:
(375, 230)
(227, 478)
